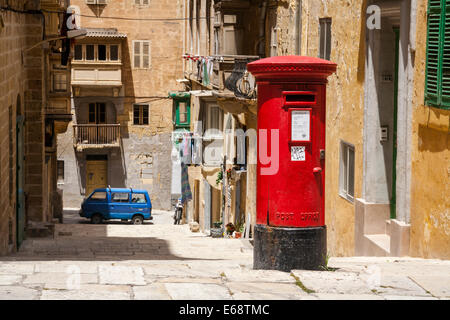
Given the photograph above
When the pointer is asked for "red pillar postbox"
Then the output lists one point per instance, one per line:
(290, 231)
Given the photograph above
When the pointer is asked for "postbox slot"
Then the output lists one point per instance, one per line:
(299, 98)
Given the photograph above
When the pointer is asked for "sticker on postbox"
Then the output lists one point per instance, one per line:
(300, 125)
(298, 153)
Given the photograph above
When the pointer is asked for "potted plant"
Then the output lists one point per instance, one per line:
(230, 228)
(216, 231)
(239, 231)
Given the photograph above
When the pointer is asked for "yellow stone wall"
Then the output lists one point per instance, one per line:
(430, 167)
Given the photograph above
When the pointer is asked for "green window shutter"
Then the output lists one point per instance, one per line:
(437, 75)
(445, 83)
(434, 49)
(183, 117)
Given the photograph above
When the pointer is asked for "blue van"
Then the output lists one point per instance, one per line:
(117, 203)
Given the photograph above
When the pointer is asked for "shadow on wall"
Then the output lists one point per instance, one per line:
(433, 140)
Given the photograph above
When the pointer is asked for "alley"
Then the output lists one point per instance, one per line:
(159, 260)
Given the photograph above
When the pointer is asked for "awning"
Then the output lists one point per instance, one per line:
(104, 33)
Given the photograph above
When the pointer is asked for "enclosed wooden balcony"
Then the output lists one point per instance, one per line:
(96, 136)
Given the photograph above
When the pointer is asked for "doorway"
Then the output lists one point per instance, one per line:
(96, 175)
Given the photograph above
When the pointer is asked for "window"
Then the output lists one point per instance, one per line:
(101, 52)
(78, 52)
(141, 54)
(347, 171)
(60, 171)
(138, 198)
(96, 52)
(97, 113)
(141, 2)
(90, 52)
(98, 196)
(182, 115)
(325, 38)
(59, 78)
(140, 114)
(437, 75)
(114, 52)
(59, 82)
(120, 197)
(214, 121)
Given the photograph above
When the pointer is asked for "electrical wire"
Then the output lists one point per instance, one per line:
(92, 16)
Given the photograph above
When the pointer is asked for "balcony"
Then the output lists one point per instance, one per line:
(229, 76)
(96, 136)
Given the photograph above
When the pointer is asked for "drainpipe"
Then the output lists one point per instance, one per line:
(262, 30)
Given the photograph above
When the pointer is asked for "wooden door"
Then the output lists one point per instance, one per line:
(96, 175)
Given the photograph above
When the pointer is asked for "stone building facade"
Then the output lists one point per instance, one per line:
(219, 41)
(120, 134)
(379, 130)
(386, 150)
(31, 114)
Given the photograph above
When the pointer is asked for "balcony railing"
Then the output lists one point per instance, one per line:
(229, 75)
(96, 135)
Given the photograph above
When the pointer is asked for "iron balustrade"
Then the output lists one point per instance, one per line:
(96, 134)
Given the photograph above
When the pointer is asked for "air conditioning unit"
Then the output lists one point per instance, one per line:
(91, 1)
(102, 1)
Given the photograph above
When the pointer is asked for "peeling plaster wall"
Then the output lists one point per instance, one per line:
(430, 186)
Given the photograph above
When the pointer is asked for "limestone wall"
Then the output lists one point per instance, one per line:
(430, 186)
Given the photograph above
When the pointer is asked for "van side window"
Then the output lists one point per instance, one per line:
(119, 197)
(138, 198)
(98, 197)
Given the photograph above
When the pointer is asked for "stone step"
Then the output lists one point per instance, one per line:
(378, 245)
(388, 227)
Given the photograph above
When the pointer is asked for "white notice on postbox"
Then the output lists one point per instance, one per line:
(298, 153)
(300, 120)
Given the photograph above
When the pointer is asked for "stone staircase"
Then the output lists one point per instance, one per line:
(378, 235)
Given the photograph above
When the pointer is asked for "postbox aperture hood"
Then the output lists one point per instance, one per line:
(298, 67)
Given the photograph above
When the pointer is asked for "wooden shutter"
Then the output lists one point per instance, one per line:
(437, 75)
(145, 54)
(137, 54)
(445, 33)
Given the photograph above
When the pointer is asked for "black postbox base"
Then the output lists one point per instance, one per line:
(286, 249)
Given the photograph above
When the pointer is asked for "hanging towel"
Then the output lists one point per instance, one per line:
(185, 187)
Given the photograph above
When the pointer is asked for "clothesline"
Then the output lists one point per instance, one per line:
(198, 57)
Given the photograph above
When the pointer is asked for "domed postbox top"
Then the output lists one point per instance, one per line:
(291, 67)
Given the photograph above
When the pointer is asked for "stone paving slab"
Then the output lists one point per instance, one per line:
(16, 268)
(18, 293)
(60, 280)
(89, 292)
(154, 291)
(241, 274)
(197, 291)
(121, 275)
(438, 286)
(7, 280)
(333, 282)
(265, 287)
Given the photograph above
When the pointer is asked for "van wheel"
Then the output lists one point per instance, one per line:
(137, 220)
(96, 218)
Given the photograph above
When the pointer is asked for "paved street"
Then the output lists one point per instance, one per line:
(161, 261)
